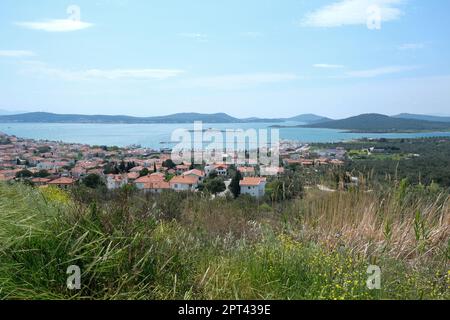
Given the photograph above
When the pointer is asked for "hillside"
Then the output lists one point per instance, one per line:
(309, 118)
(381, 123)
(422, 117)
(45, 117)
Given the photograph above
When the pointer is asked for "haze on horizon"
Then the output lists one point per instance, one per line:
(257, 58)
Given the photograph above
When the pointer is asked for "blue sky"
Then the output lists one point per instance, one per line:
(266, 58)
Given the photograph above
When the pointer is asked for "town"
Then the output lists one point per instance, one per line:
(64, 165)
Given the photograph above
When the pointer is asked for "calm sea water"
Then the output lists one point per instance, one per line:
(157, 135)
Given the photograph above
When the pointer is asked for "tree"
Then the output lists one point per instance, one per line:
(41, 174)
(24, 174)
(234, 187)
(169, 164)
(213, 174)
(93, 181)
(144, 172)
(215, 185)
(122, 166)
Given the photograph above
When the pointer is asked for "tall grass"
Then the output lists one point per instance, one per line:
(181, 246)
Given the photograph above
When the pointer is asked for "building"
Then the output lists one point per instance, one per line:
(63, 183)
(254, 186)
(220, 169)
(145, 180)
(181, 168)
(247, 171)
(156, 187)
(40, 181)
(195, 173)
(116, 181)
(184, 183)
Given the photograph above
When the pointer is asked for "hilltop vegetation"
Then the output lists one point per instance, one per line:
(45, 117)
(378, 123)
(190, 246)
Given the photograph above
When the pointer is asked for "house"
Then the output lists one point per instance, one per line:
(220, 169)
(195, 173)
(272, 171)
(116, 181)
(151, 178)
(63, 183)
(184, 183)
(132, 176)
(247, 171)
(40, 181)
(254, 186)
(156, 187)
(181, 168)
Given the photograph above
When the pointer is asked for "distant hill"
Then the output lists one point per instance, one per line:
(422, 117)
(381, 123)
(7, 112)
(309, 118)
(45, 117)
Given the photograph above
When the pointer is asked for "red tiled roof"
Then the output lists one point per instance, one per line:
(250, 181)
(184, 180)
(194, 172)
(63, 181)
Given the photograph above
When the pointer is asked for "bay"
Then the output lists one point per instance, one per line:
(156, 136)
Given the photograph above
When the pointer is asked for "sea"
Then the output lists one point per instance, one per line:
(157, 136)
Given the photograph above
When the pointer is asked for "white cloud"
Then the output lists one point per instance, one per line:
(238, 81)
(352, 12)
(328, 66)
(372, 73)
(58, 25)
(411, 46)
(201, 37)
(101, 74)
(16, 53)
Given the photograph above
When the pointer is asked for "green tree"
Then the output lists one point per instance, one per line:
(93, 181)
(24, 174)
(169, 164)
(234, 187)
(215, 185)
(144, 172)
(41, 174)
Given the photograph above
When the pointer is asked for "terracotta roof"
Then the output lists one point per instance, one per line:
(63, 180)
(194, 172)
(133, 175)
(150, 178)
(40, 180)
(252, 181)
(157, 185)
(246, 169)
(184, 180)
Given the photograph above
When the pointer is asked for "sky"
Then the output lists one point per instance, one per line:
(265, 58)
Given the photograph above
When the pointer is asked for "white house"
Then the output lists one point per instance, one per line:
(195, 173)
(116, 181)
(254, 186)
(184, 183)
(220, 169)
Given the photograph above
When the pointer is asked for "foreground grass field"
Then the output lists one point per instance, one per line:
(181, 246)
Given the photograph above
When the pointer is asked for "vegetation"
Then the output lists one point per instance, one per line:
(188, 246)
(421, 161)
(382, 123)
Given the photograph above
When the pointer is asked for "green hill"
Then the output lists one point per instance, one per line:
(381, 123)
(422, 117)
